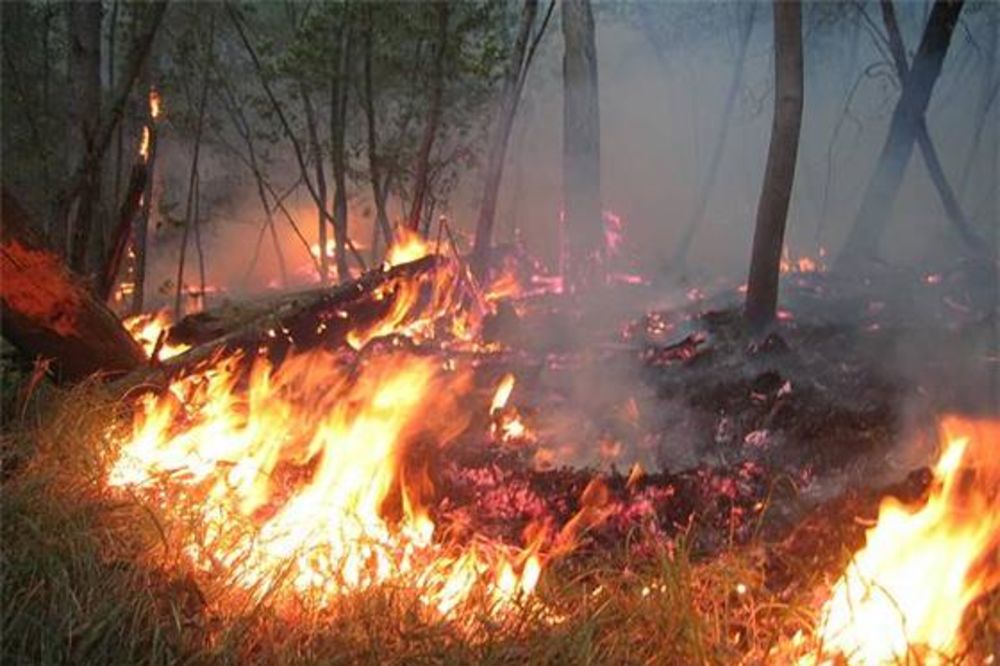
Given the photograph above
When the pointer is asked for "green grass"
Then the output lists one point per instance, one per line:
(90, 578)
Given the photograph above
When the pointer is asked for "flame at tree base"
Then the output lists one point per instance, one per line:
(904, 595)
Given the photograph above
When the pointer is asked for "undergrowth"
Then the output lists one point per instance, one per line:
(88, 577)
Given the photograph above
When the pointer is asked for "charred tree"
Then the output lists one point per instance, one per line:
(720, 141)
(421, 177)
(581, 146)
(78, 193)
(779, 174)
(513, 78)
(876, 205)
(48, 312)
(321, 192)
(123, 231)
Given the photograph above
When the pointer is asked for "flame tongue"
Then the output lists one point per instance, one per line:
(905, 593)
(289, 484)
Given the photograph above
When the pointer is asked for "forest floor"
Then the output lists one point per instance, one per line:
(764, 461)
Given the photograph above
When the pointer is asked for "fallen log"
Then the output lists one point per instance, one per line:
(48, 312)
(299, 321)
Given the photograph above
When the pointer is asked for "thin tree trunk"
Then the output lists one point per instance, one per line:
(720, 142)
(193, 175)
(338, 119)
(374, 171)
(876, 205)
(988, 94)
(85, 99)
(196, 222)
(317, 157)
(501, 136)
(581, 147)
(779, 174)
(78, 188)
(966, 231)
(433, 120)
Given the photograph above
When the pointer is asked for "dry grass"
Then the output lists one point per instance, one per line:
(88, 578)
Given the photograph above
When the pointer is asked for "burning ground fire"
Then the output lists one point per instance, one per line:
(904, 595)
(314, 479)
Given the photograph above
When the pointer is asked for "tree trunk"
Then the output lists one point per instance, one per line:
(501, 136)
(779, 174)
(123, 232)
(85, 106)
(581, 147)
(966, 231)
(876, 205)
(720, 142)
(193, 174)
(421, 177)
(47, 311)
(78, 188)
(338, 155)
(321, 195)
(374, 170)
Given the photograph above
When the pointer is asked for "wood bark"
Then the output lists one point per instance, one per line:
(123, 231)
(779, 174)
(876, 205)
(581, 147)
(141, 231)
(422, 171)
(501, 136)
(48, 312)
(715, 160)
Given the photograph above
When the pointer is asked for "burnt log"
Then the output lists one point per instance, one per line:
(299, 321)
(47, 311)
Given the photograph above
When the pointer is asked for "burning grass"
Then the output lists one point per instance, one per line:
(92, 575)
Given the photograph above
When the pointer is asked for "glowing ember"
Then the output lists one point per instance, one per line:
(146, 329)
(904, 594)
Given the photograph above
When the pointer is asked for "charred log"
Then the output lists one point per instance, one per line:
(49, 312)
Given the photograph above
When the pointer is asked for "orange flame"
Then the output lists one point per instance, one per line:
(144, 144)
(407, 246)
(905, 593)
(302, 485)
(146, 330)
(155, 104)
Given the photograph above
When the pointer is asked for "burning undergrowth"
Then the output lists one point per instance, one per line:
(456, 467)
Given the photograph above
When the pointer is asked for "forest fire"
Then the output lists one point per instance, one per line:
(905, 594)
(150, 331)
(308, 483)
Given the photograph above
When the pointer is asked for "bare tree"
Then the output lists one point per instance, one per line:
(512, 84)
(422, 171)
(876, 205)
(338, 154)
(966, 231)
(581, 144)
(779, 174)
